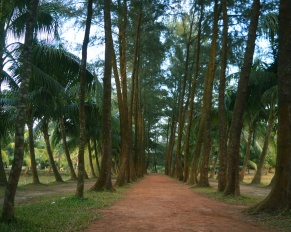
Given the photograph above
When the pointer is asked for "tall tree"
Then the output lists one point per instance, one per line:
(182, 107)
(83, 135)
(279, 198)
(8, 206)
(232, 187)
(221, 104)
(191, 98)
(104, 181)
(207, 102)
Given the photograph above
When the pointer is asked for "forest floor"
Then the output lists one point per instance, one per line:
(159, 203)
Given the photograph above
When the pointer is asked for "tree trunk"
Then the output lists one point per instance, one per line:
(8, 206)
(181, 117)
(66, 149)
(207, 103)
(258, 176)
(232, 187)
(50, 152)
(104, 181)
(195, 160)
(191, 97)
(134, 101)
(222, 172)
(96, 156)
(212, 174)
(3, 179)
(279, 198)
(142, 144)
(170, 148)
(126, 172)
(35, 179)
(247, 155)
(90, 159)
(82, 136)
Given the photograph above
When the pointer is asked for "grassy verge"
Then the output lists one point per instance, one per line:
(271, 221)
(61, 212)
(241, 200)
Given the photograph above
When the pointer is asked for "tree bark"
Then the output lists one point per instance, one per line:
(90, 159)
(279, 198)
(96, 156)
(82, 136)
(247, 155)
(191, 97)
(212, 174)
(104, 181)
(222, 172)
(207, 103)
(126, 172)
(3, 179)
(232, 187)
(35, 179)
(66, 149)
(57, 175)
(258, 176)
(8, 206)
(182, 108)
(169, 155)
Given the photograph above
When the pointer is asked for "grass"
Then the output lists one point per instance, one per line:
(275, 222)
(61, 212)
(241, 200)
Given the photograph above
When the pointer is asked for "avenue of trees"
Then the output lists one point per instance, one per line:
(181, 87)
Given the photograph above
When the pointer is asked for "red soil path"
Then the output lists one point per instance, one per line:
(158, 203)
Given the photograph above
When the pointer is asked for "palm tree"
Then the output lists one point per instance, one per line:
(8, 206)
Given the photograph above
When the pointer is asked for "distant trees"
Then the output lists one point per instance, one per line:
(171, 96)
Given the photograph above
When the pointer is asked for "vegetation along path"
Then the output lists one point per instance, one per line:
(158, 203)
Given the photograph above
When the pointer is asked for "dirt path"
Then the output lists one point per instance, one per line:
(158, 203)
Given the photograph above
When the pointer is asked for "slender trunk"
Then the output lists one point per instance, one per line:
(258, 176)
(82, 136)
(3, 179)
(247, 155)
(222, 172)
(171, 147)
(195, 160)
(8, 206)
(213, 170)
(191, 97)
(127, 172)
(141, 148)
(96, 156)
(90, 159)
(50, 152)
(134, 93)
(232, 187)
(207, 103)
(66, 149)
(181, 117)
(104, 181)
(35, 179)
